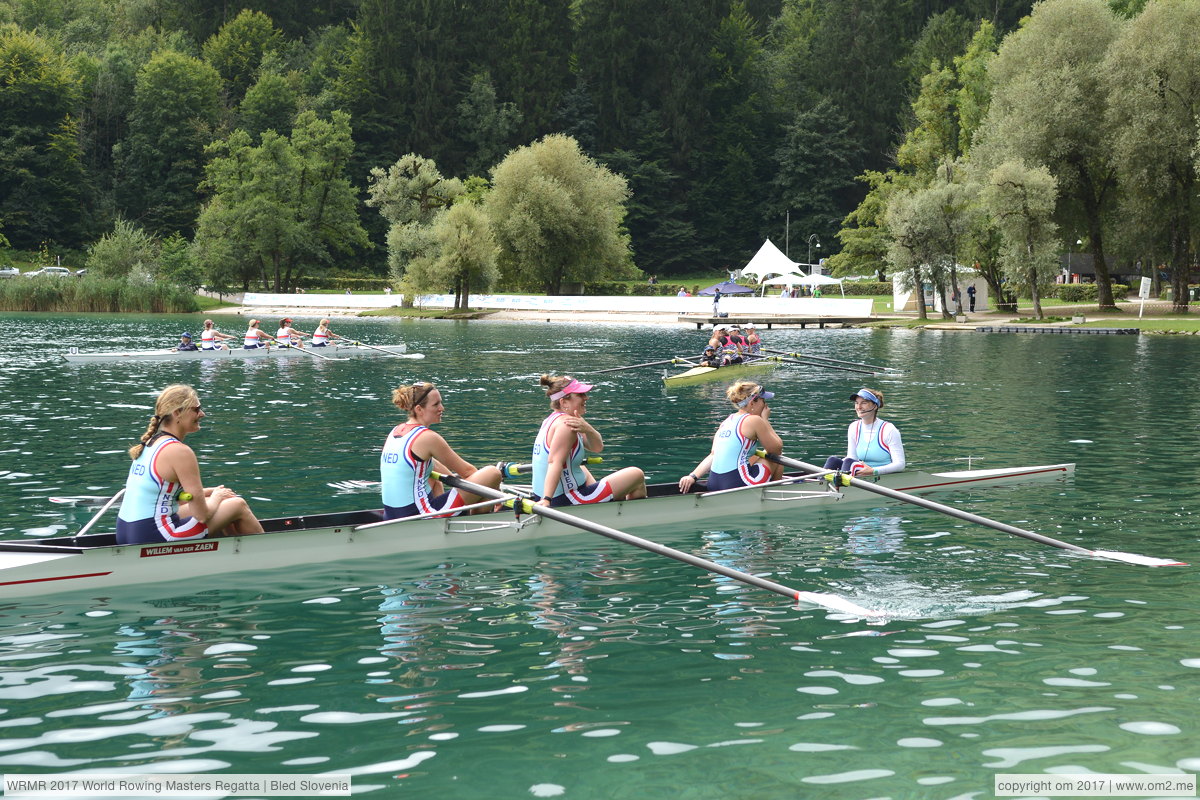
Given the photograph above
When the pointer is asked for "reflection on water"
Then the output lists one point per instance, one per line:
(584, 669)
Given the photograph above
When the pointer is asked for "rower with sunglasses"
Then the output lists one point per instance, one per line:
(731, 463)
(412, 449)
(163, 469)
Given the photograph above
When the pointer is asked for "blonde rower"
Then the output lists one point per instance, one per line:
(164, 467)
(412, 448)
(731, 459)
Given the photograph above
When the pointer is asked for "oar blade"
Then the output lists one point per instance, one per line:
(835, 603)
(1134, 558)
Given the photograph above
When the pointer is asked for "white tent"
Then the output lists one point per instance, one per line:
(815, 280)
(788, 279)
(769, 260)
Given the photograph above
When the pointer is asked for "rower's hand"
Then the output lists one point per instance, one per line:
(545, 501)
(577, 423)
(867, 469)
(686, 483)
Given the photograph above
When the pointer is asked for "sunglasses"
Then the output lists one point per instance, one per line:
(428, 387)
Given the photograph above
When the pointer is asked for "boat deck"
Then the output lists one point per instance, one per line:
(768, 321)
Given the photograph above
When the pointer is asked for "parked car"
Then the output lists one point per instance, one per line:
(60, 272)
(9, 271)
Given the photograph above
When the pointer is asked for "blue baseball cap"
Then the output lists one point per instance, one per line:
(185, 335)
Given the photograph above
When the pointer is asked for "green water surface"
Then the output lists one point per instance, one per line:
(584, 669)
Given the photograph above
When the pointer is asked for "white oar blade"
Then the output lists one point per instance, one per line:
(1134, 558)
(411, 355)
(835, 603)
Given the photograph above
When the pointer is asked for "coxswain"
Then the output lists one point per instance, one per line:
(711, 357)
(185, 342)
(873, 445)
(164, 468)
(559, 476)
(213, 339)
(413, 448)
(731, 462)
(255, 338)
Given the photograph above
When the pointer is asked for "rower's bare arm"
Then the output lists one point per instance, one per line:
(445, 459)
(768, 438)
(688, 481)
(593, 442)
(179, 461)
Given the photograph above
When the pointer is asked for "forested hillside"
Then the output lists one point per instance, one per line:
(729, 120)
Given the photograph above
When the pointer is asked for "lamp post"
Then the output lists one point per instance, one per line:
(812, 237)
(787, 226)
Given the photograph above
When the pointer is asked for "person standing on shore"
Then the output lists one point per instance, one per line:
(717, 303)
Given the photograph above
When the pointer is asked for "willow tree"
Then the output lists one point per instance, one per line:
(1021, 200)
(1154, 71)
(1050, 106)
(557, 216)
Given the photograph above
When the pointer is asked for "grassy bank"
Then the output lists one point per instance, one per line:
(425, 313)
(89, 294)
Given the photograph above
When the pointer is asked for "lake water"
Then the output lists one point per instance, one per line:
(586, 669)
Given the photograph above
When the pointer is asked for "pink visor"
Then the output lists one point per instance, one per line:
(574, 387)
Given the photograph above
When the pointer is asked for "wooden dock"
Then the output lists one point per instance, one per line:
(768, 321)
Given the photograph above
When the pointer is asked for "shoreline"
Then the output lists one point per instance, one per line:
(532, 315)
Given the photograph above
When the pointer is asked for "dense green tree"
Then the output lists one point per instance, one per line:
(285, 204)
(125, 250)
(1154, 71)
(487, 125)
(271, 104)
(1050, 107)
(41, 174)
(556, 215)
(160, 164)
(529, 56)
(1022, 201)
(814, 172)
(238, 48)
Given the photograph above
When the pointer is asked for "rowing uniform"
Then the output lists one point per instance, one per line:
(285, 338)
(877, 445)
(320, 337)
(731, 453)
(252, 340)
(573, 488)
(208, 339)
(405, 477)
(150, 510)
(729, 346)
(753, 347)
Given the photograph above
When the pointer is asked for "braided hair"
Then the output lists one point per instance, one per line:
(172, 399)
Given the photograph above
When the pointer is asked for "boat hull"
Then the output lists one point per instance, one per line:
(731, 372)
(233, 354)
(96, 562)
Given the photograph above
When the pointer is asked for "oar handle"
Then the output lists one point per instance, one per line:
(511, 470)
(529, 507)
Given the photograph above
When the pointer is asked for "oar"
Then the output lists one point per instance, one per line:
(830, 601)
(819, 364)
(676, 360)
(507, 468)
(1112, 555)
(100, 513)
(871, 367)
(383, 350)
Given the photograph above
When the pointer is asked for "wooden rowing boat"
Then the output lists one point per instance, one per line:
(731, 372)
(332, 351)
(95, 561)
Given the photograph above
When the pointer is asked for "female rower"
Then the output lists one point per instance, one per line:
(213, 339)
(322, 335)
(255, 338)
(409, 452)
(164, 467)
(559, 476)
(873, 445)
(753, 340)
(287, 336)
(744, 431)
